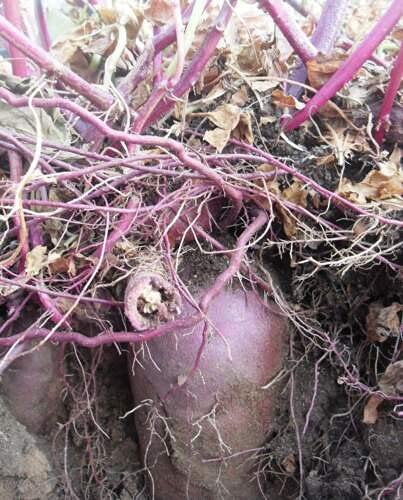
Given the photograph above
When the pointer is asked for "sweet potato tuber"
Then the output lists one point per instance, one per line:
(195, 430)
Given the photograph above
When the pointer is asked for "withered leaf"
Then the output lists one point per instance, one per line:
(159, 11)
(322, 68)
(243, 131)
(284, 101)
(218, 138)
(391, 382)
(371, 409)
(296, 193)
(225, 116)
(378, 185)
(383, 322)
(36, 260)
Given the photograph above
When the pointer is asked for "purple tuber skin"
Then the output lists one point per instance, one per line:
(150, 300)
(221, 411)
(350, 67)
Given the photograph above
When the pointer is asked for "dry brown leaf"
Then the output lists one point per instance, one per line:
(397, 33)
(284, 101)
(243, 131)
(63, 265)
(391, 382)
(383, 322)
(159, 11)
(225, 116)
(383, 184)
(322, 68)
(36, 260)
(218, 138)
(240, 97)
(371, 409)
(288, 463)
(289, 225)
(264, 85)
(296, 193)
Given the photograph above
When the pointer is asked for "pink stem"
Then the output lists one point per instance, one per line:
(330, 195)
(123, 227)
(290, 29)
(118, 136)
(350, 67)
(43, 25)
(389, 98)
(18, 40)
(18, 59)
(105, 338)
(198, 63)
(62, 295)
(329, 25)
(15, 163)
(46, 301)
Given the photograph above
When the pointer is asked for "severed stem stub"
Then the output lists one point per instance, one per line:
(150, 300)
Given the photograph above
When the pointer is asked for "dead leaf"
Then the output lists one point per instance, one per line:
(296, 193)
(226, 116)
(288, 463)
(383, 322)
(243, 131)
(217, 138)
(289, 224)
(383, 184)
(391, 382)
(282, 100)
(322, 68)
(240, 97)
(371, 409)
(63, 265)
(36, 260)
(263, 85)
(159, 11)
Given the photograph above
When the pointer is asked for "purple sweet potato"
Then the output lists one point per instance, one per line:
(195, 432)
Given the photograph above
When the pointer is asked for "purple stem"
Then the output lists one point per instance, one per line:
(46, 301)
(350, 67)
(116, 135)
(18, 60)
(167, 35)
(298, 7)
(324, 37)
(104, 338)
(329, 25)
(290, 28)
(191, 75)
(18, 40)
(43, 25)
(389, 98)
(123, 227)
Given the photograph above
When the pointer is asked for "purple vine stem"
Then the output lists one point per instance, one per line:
(350, 67)
(17, 39)
(298, 7)
(19, 64)
(199, 62)
(290, 29)
(390, 94)
(42, 25)
(324, 38)
(329, 25)
(178, 150)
